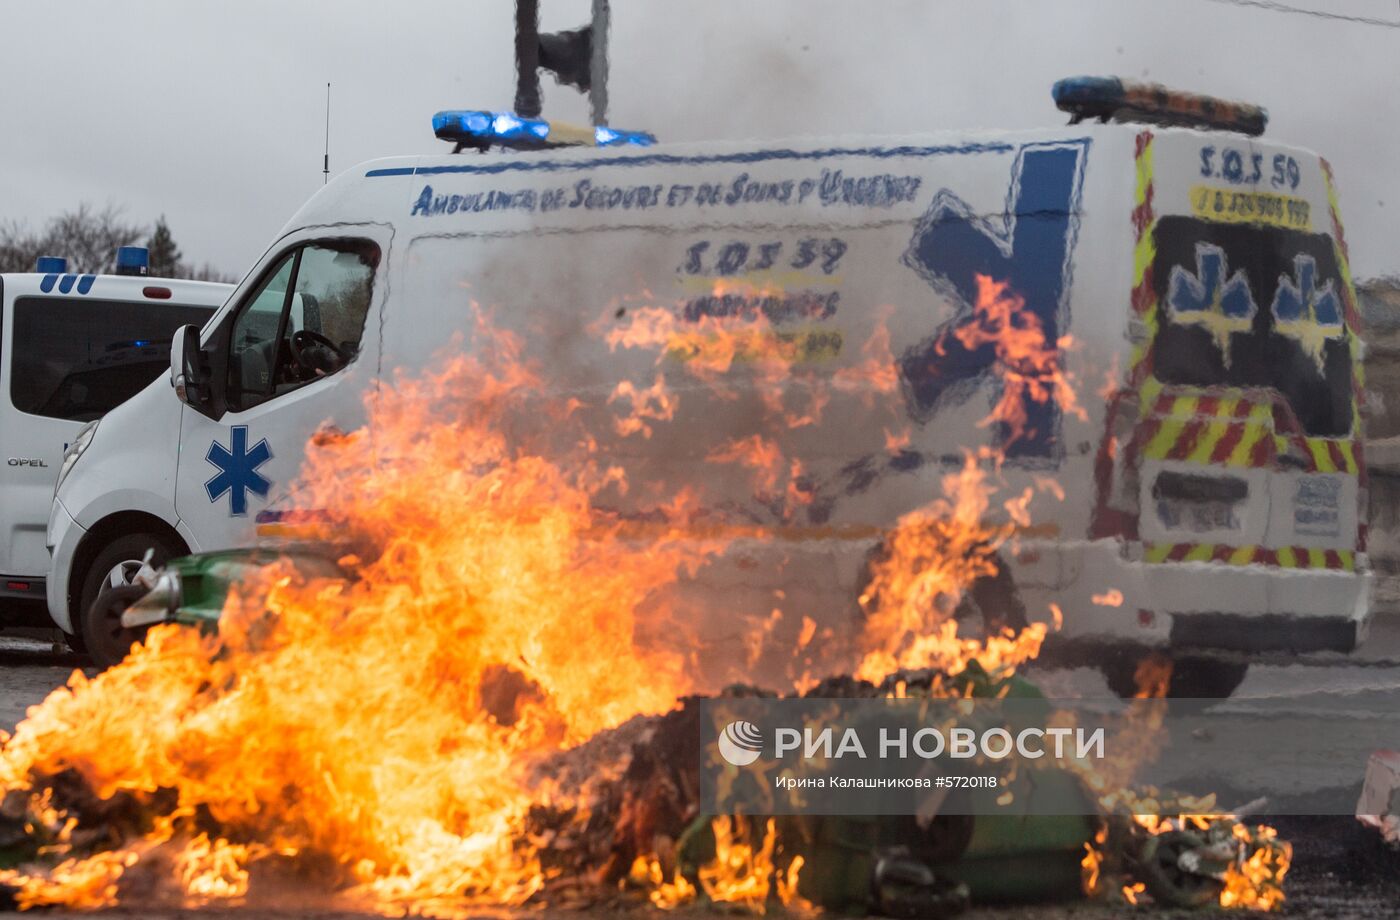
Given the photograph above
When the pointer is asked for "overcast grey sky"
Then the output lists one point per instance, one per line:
(212, 111)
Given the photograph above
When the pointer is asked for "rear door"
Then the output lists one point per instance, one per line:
(1249, 437)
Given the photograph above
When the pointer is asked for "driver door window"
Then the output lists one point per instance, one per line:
(305, 322)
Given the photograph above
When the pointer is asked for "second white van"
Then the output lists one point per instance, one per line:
(72, 346)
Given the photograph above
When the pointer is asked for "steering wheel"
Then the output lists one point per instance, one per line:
(309, 351)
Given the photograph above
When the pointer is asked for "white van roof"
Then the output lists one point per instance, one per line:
(115, 287)
(362, 192)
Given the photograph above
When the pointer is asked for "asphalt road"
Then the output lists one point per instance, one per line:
(1340, 869)
(30, 669)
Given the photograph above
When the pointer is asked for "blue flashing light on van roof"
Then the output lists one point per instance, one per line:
(509, 126)
(489, 129)
(473, 122)
(1111, 98)
(133, 260)
(481, 130)
(51, 265)
(611, 137)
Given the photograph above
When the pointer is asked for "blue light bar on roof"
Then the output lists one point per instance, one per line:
(51, 265)
(133, 260)
(1108, 98)
(484, 129)
(481, 130)
(611, 137)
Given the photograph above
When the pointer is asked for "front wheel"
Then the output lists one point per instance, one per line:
(111, 585)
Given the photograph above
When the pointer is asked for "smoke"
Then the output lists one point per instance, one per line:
(686, 69)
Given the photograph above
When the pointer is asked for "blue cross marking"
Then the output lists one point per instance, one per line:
(1028, 246)
(238, 470)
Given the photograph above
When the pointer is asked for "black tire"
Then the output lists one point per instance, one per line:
(114, 641)
(996, 601)
(106, 639)
(1192, 677)
(1197, 678)
(1160, 873)
(1119, 669)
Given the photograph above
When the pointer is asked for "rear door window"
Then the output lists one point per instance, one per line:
(1255, 307)
(77, 359)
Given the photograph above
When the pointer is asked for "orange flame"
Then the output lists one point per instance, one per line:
(1256, 881)
(388, 723)
(877, 375)
(653, 404)
(757, 453)
(386, 726)
(1091, 866)
(647, 872)
(743, 871)
(1029, 365)
(935, 554)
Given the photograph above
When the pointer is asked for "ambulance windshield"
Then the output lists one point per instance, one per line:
(1247, 306)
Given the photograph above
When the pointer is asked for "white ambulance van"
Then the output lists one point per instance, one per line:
(72, 346)
(1196, 278)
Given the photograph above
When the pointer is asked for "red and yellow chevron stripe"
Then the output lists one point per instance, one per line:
(1352, 316)
(1339, 240)
(1219, 430)
(1233, 428)
(1350, 312)
(1287, 557)
(1144, 296)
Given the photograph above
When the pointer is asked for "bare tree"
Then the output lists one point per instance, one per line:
(86, 237)
(89, 240)
(19, 248)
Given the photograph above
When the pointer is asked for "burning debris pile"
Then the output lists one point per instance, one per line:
(1187, 860)
(486, 711)
(647, 832)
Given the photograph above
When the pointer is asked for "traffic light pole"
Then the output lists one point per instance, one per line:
(598, 76)
(561, 57)
(527, 58)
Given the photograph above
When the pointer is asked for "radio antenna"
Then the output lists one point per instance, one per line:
(326, 164)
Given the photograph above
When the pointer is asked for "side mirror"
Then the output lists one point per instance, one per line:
(187, 374)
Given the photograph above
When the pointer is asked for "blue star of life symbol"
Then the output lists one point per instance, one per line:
(238, 470)
(1029, 247)
(1212, 298)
